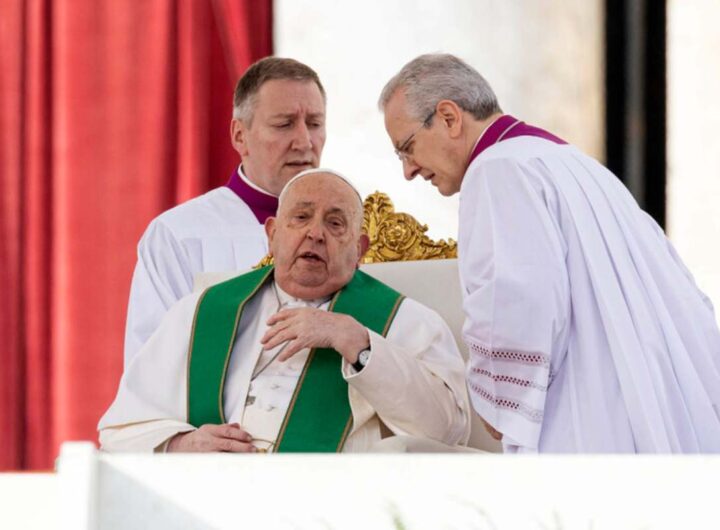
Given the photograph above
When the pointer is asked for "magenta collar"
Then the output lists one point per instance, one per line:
(506, 127)
(261, 204)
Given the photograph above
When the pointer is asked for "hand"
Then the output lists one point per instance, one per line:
(497, 435)
(314, 328)
(226, 438)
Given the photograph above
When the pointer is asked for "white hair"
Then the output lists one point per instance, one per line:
(430, 78)
(316, 171)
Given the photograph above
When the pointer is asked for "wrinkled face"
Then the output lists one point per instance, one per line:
(286, 134)
(430, 153)
(316, 239)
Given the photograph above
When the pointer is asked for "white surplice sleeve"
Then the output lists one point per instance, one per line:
(151, 402)
(162, 276)
(515, 295)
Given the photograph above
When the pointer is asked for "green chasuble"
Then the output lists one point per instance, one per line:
(319, 417)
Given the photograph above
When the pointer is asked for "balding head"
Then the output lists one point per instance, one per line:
(316, 171)
(316, 239)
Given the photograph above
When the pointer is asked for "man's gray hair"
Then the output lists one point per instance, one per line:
(430, 78)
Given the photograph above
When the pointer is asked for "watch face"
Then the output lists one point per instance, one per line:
(364, 357)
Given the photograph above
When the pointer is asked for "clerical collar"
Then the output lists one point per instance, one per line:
(287, 300)
(262, 203)
(504, 128)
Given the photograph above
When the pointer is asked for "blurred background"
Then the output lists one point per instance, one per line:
(112, 111)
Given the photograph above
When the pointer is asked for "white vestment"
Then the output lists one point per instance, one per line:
(413, 384)
(586, 332)
(214, 232)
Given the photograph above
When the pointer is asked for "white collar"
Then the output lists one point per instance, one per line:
(250, 183)
(287, 300)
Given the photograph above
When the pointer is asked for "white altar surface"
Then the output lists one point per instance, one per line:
(93, 490)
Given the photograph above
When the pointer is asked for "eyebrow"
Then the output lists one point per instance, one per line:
(337, 210)
(303, 204)
(310, 204)
(398, 145)
(293, 115)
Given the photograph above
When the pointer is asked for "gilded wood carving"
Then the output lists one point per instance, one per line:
(398, 236)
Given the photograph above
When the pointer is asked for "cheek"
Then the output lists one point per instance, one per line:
(273, 144)
(318, 139)
(347, 257)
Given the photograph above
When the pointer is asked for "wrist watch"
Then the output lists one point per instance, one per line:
(362, 360)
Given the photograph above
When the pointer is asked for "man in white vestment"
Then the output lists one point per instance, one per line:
(405, 379)
(278, 129)
(586, 332)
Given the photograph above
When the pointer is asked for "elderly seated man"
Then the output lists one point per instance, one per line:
(309, 355)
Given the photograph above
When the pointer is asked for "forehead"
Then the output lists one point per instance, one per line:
(322, 190)
(285, 96)
(397, 119)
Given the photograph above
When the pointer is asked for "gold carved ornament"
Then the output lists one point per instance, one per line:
(395, 236)
(398, 236)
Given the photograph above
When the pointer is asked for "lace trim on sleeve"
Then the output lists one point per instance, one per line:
(535, 359)
(498, 378)
(529, 413)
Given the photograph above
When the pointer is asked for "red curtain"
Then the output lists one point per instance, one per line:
(110, 112)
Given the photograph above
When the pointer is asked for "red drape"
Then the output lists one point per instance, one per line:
(110, 112)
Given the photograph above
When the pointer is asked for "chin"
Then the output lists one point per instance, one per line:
(445, 192)
(447, 189)
(306, 285)
(294, 170)
(308, 292)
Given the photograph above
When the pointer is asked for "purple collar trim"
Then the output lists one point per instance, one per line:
(506, 127)
(261, 204)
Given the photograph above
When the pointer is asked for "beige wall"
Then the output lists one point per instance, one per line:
(694, 138)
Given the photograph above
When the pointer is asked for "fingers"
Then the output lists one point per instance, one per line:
(290, 349)
(279, 322)
(229, 438)
(231, 431)
(299, 329)
(275, 338)
(273, 330)
(284, 315)
(225, 445)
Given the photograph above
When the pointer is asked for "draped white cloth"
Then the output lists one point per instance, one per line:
(413, 384)
(214, 232)
(586, 332)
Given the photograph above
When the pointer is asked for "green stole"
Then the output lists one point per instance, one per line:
(319, 416)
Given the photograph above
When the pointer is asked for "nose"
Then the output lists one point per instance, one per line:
(410, 168)
(316, 231)
(302, 141)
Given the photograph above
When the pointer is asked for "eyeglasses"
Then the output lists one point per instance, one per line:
(401, 151)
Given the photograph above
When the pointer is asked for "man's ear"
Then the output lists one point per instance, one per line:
(451, 117)
(270, 231)
(238, 136)
(363, 245)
